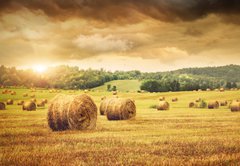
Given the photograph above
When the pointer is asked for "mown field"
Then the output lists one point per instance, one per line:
(180, 136)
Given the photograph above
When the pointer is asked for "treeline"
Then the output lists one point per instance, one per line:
(66, 77)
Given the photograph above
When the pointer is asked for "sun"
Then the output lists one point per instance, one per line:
(40, 68)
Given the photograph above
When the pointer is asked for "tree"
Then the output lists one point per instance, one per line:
(229, 85)
(114, 88)
(109, 87)
(150, 86)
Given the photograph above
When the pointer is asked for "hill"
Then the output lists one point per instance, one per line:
(122, 85)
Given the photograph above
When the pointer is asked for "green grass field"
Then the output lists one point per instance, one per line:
(180, 136)
(122, 85)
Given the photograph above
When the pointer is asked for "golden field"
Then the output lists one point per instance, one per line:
(179, 136)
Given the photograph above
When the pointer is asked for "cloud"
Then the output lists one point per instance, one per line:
(125, 10)
(99, 43)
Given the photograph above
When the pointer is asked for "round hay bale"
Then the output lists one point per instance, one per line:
(72, 112)
(13, 93)
(25, 95)
(120, 109)
(175, 99)
(235, 106)
(2, 106)
(45, 101)
(213, 105)
(199, 90)
(115, 93)
(163, 105)
(33, 100)
(198, 100)
(192, 105)
(223, 103)
(10, 102)
(161, 98)
(32, 96)
(221, 89)
(29, 106)
(208, 89)
(41, 104)
(103, 106)
(21, 102)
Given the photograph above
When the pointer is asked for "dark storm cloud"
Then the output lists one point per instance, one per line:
(112, 10)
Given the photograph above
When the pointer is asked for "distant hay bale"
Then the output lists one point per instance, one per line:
(192, 105)
(41, 104)
(33, 95)
(198, 100)
(29, 106)
(199, 90)
(175, 99)
(45, 101)
(213, 105)
(13, 93)
(10, 102)
(118, 108)
(235, 106)
(223, 103)
(161, 98)
(103, 98)
(221, 89)
(85, 91)
(72, 112)
(25, 95)
(21, 102)
(2, 106)
(115, 93)
(163, 105)
(208, 89)
(33, 100)
(216, 90)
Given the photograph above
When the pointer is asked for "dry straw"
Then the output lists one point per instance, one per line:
(163, 105)
(72, 112)
(29, 106)
(2, 106)
(118, 108)
(235, 106)
(213, 105)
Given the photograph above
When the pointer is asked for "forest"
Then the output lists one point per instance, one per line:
(66, 77)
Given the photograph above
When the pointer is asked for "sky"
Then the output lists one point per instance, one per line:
(146, 35)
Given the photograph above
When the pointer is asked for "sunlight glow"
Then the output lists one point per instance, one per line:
(39, 68)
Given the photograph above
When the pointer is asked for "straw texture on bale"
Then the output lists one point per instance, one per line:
(161, 98)
(213, 105)
(118, 108)
(20, 102)
(2, 106)
(41, 104)
(163, 105)
(235, 106)
(9, 102)
(29, 106)
(72, 112)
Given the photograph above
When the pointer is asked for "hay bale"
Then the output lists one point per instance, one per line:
(161, 98)
(221, 89)
(103, 106)
(175, 99)
(163, 105)
(119, 109)
(10, 102)
(2, 106)
(41, 104)
(32, 96)
(198, 100)
(223, 103)
(13, 93)
(199, 90)
(213, 105)
(115, 93)
(208, 89)
(192, 105)
(25, 95)
(29, 106)
(103, 98)
(34, 100)
(45, 101)
(235, 106)
(21, 102)
(72, 112)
